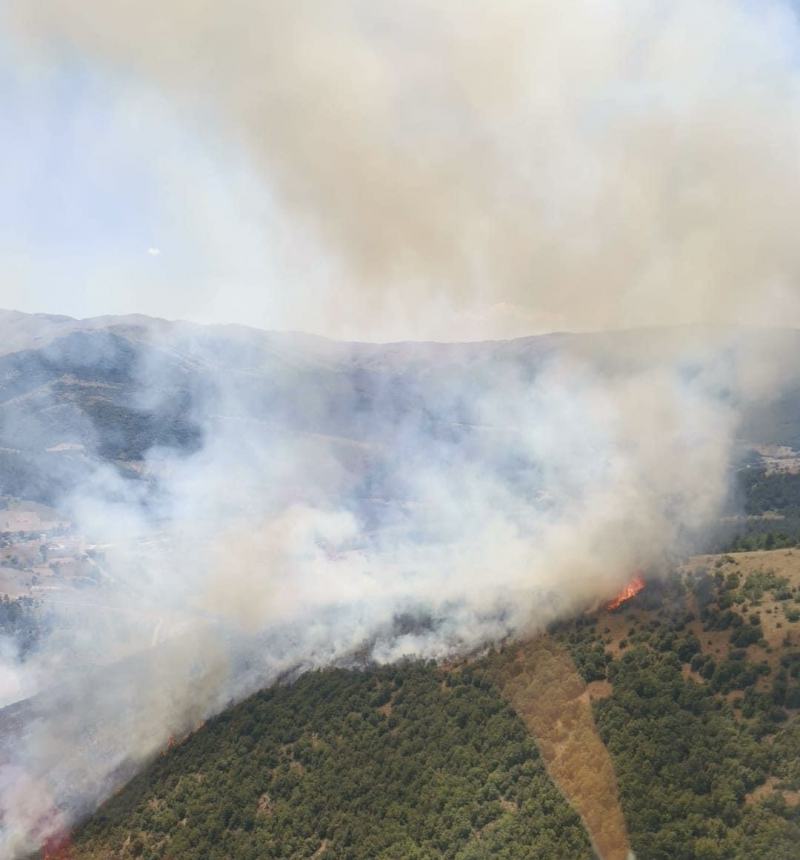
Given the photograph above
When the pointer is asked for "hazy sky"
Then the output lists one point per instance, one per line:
(115, 201)
(112, 203)
(382, 170)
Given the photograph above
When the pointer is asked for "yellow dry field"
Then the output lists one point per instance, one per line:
(545, 689)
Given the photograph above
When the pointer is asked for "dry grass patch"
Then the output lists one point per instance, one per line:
(554, 702)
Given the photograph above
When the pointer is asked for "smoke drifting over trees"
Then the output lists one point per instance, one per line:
(349, 503)
(601, 165)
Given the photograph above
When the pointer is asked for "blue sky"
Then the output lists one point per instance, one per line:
(113, 203)
(70, 184)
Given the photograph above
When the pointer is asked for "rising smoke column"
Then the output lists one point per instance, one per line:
(486, 167)
(529, 493)
(597, 164)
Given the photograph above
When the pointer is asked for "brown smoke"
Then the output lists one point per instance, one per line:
(562, 162)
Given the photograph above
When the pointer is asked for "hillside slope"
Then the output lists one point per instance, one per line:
(697, 703)
(79, 394)
(404, 762)
(624, 708)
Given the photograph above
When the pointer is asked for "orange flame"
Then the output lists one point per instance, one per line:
(630, 590)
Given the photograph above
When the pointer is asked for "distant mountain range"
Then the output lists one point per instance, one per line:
(75, 394)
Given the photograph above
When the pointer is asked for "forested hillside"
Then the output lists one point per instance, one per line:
(695, 690)
(403, 762)
(685, 700)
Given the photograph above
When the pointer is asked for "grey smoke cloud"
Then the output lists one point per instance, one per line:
(567, 165)
(598, 164)
(505, 486)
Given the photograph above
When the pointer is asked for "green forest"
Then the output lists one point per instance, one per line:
(765, 512)
(401, 762)
(693, 735)
(423, 761)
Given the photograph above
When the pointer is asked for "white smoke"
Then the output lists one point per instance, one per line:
(597, 163)
(509, 491)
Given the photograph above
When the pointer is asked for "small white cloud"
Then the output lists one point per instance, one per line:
(154, 252)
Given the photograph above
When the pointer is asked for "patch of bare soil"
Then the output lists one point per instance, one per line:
(779, 459)
(770, 788)
(596, 690)
(321, 850)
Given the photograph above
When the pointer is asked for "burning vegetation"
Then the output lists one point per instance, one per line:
(630, 591)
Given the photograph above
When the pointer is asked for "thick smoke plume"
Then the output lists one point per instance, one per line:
(499, 493)
(600, 164)
(494, 167)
